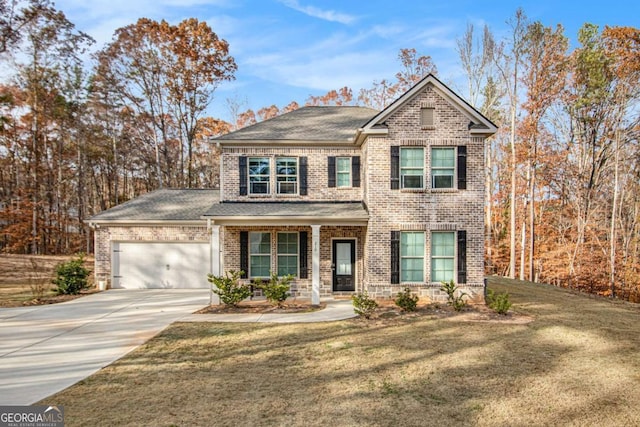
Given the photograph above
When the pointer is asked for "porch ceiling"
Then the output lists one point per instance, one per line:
(288, 213)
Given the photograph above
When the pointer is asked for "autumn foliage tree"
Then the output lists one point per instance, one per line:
(167, 74)
(563, 176)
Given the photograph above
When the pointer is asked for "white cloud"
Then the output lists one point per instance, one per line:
(321, 73)
(441, 36)
(327, 15)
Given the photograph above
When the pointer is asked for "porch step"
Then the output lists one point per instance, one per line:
(342, 295)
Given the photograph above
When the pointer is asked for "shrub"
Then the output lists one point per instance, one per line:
(71, 276)
(276, 289)
(455, 301)
(363, 305)
(406, 300)
(228, 287)
(38, 277)
(498, 302)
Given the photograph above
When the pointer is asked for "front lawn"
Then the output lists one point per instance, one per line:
(576, 363)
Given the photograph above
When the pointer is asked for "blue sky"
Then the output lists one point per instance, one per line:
(287, 50)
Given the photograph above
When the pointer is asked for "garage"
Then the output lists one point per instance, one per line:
(167, 265)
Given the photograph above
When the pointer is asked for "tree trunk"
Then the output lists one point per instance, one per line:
(488, 201)
(532, 211)
(612, 234)
(512, 213)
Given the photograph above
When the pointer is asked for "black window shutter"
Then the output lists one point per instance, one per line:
(395, 167)
(395, 257)
(462, 167)
(462, 256)
(242, 168)
(355, 171)
(304, 268)
(244, 253)
(331, 175)
(303, 175)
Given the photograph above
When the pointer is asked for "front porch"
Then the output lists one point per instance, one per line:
(320, 244)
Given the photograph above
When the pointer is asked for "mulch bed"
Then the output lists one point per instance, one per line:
(262, 306)
(387, 312)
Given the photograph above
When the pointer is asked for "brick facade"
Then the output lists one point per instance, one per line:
(428, 209)
(425, 210)
(317, 159)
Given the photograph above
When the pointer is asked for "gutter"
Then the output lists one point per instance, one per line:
(362, 134)
(147, 223)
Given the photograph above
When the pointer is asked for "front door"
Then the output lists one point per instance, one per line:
(343, 265)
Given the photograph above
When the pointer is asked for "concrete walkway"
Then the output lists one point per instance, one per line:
(47, 348)
(334, 310)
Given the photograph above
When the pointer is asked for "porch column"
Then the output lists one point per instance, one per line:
(214, 268)
(215, 250)
(315, 265)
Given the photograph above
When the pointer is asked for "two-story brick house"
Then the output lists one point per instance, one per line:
(345, 199)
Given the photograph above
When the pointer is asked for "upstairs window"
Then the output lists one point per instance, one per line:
(412, 167)
(287, 175)
(443, 161)
(343, 172)
(259, 175)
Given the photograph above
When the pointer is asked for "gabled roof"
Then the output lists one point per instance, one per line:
(165, 205)
(478, 123)
(313, 123)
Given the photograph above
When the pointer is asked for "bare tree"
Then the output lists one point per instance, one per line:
(508, 60)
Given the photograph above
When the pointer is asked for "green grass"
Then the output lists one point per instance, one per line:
(576, 363)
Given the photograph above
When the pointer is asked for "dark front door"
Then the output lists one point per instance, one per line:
(343, 265)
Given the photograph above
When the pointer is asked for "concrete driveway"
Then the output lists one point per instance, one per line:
(44, 349)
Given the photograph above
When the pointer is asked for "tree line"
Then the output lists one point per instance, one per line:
(79, 136)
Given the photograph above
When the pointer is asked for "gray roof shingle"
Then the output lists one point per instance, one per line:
(162, 205)
(313, 123)
(350, 210)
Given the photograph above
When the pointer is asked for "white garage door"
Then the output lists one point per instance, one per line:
(142, 265)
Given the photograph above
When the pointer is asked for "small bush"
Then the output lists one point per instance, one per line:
(498, 302)
(455, 301)
(363, 305)
(71, 276)
(38, 277)
(228, 287)
(276, 289)
(406, 300)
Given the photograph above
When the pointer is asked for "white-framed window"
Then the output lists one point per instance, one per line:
(259, 254)
(412, 167)
(287, 254)
(343, 171)
(287, 175)
(442, 256)
(443, 167)
(412, 256)
(259, 175)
